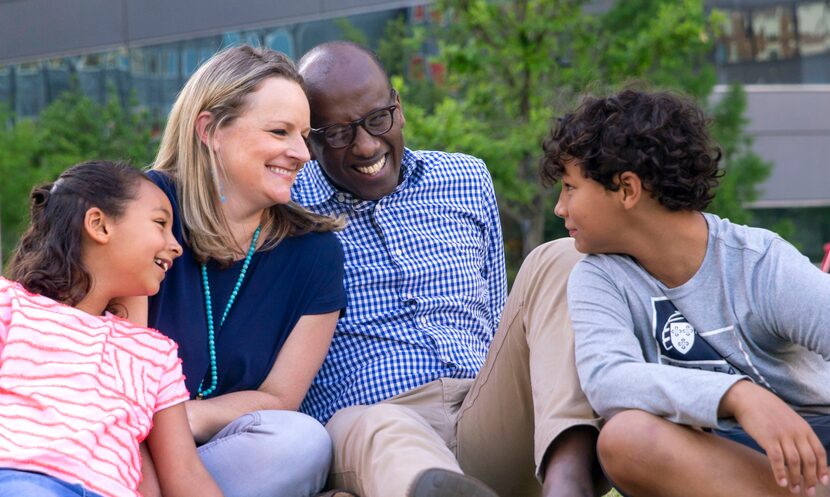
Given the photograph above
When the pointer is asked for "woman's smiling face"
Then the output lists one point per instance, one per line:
(262, 149)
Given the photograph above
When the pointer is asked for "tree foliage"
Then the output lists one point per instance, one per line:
(72, 129)
(514, 65)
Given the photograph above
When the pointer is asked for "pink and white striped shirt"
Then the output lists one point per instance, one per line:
(78, 392)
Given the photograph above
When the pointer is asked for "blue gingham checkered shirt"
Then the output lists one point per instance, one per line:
(424, 276)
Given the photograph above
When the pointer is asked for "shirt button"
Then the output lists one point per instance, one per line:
(398, 252)
(378, 208)
(341, 197)
(424, 320)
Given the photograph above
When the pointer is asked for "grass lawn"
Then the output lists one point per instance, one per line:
(612, 493)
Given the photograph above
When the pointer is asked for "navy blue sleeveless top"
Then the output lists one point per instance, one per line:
(301, 275)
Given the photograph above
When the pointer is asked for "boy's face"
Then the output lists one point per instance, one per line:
(591, 213)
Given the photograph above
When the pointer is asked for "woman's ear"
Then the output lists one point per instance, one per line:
(97, 225)
(202, 121)
(631, 188)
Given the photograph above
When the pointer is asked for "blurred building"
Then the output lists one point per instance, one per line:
(780, 49)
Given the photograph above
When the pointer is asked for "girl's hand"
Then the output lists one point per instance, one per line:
(794, 451)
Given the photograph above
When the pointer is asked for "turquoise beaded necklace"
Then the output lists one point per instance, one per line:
(214, 376)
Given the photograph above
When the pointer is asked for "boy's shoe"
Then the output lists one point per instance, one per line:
(437, 482)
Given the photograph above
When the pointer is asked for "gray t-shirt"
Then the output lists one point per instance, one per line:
(756, 308)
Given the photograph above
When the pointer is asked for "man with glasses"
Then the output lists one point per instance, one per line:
(405, 391)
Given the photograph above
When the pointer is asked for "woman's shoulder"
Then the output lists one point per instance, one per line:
(325, 241)
(318, 248)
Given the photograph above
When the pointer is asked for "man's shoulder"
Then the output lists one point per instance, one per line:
(450, 160)
(454, 167)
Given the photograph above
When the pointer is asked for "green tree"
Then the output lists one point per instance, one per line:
(73, 128)
(513, 65)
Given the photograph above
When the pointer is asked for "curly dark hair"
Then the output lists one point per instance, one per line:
(47, 260)
(661, 136)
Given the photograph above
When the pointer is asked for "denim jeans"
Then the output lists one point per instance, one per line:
(819, 424)
(269, 454)
(15, 483)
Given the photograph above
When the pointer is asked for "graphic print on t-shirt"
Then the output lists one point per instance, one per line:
(679, 344)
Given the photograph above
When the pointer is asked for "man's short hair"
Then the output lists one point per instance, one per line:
(661, 136)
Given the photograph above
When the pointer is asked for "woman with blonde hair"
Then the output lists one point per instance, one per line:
(254, 299)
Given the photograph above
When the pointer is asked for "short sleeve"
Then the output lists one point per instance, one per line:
(327, 293)
(171, 389)
(5, 313)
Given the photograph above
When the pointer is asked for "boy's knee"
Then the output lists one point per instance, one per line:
(626, 432)
(626, 439)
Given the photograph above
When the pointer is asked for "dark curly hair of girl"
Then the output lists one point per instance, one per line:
(47, 260)
(663, 137)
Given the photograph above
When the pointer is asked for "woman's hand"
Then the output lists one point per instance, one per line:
(794, 451)
(177, 464)
(283, 389)
(195, 418)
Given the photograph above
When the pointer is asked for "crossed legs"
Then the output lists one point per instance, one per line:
(499, 428)
(645, 455)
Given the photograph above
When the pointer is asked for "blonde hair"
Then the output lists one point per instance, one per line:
(220, 86)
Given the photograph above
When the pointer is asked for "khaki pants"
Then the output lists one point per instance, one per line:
(497, 427)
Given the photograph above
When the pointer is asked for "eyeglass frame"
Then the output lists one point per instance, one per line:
(321, 132)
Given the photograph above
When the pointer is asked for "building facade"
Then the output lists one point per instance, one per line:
(779, 49)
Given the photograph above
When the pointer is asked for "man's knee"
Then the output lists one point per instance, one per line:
(371, 417)
(561, 251)
(551, 261)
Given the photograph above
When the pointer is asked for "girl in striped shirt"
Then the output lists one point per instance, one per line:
(80, 388)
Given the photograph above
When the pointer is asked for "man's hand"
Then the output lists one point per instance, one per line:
(794, 451)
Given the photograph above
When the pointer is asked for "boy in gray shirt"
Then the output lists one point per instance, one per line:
(692, 333)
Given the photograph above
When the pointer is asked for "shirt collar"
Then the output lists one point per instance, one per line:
(314, 188)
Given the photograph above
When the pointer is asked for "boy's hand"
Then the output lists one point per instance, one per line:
(793, 449)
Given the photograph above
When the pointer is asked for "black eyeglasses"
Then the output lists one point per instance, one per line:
(376, 123)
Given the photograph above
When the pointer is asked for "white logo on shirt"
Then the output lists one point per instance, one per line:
(679, 332)
(682, 337)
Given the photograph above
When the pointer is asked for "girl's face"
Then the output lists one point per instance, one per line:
(262, 150)
(142, 246)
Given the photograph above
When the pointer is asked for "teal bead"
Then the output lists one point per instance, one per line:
(214, 374)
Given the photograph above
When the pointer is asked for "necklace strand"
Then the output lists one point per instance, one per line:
(214, 375)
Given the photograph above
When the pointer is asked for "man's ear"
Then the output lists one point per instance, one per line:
(400, 109)
(631, 188)
(97, 225)
(202, 120)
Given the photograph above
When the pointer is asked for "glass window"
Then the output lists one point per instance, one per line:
(30, 89)
(280, 39)
(814, 27)
(137, 61)
(773, 30)
(737, 37)
(5, 87)
(170, 53)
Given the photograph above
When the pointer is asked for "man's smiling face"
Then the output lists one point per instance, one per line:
(354, 87)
